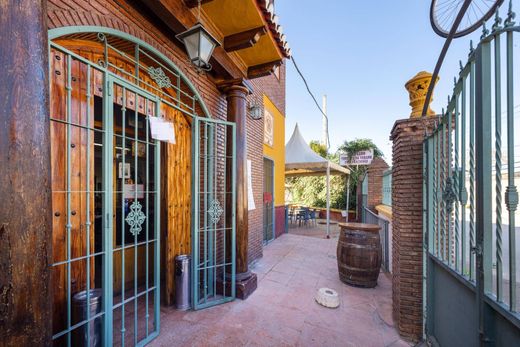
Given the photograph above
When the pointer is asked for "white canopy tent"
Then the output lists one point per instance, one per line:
(301, 160)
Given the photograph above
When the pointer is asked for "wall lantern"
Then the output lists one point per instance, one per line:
(200, 45)
(255, 111)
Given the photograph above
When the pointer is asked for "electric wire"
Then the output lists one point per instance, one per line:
(308, 89)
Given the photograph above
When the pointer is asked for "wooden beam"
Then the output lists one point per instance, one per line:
(178, 18)
(236, 95)
(262, 70)
(244, 39)
(25, 177)
(195, 3)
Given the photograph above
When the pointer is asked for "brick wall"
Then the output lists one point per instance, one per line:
(123, 16)
(275, 90)
(279, 221)
(407, 185)
(375, 183)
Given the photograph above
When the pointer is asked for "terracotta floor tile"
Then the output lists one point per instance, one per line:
(283, 312)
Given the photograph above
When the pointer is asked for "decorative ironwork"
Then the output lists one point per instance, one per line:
(158, 75)
(215, 211)
(482, 161)
(135, 218)
(509, 22)
(449, 196)
(496, 24)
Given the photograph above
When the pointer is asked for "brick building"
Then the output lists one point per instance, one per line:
(109, 195)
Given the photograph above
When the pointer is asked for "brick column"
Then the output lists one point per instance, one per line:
(375, 183)
(407, 217)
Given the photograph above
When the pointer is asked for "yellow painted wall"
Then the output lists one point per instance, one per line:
(276, 152)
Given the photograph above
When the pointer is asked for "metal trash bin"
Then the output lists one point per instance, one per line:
(79, 314)
(182, 282)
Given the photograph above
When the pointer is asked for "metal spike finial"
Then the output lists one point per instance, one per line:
(471, 49)
(496, 25)
(485, 31)
(454, 81)
(460, 65)
(510, 15)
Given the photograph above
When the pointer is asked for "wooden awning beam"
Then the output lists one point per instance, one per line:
(178, 18)
(262, 70)
(243, 39)
(195, 3)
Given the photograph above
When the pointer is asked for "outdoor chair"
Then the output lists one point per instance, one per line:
(303, 217)
(312, 217)
(292, 215)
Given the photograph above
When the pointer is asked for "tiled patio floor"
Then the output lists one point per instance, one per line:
(318, 229)
(282, 311)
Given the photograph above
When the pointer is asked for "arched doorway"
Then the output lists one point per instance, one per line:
(124, 204)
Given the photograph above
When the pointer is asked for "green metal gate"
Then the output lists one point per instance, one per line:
(469, 220)
(106, 188)
(214, 206)
(135, 198)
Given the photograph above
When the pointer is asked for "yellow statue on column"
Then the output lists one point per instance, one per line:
(417, 87)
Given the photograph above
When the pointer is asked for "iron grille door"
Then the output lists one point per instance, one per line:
(105, 181)
(214, 205)
(134, 159)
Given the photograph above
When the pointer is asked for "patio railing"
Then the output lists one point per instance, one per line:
(372, 218)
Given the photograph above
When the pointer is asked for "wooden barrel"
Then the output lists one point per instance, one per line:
(359, 254)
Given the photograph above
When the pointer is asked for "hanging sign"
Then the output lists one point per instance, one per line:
(162, 130)
(360, 158)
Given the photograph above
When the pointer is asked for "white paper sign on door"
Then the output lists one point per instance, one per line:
(162, 130)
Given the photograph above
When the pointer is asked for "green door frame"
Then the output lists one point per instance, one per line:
(265, 240)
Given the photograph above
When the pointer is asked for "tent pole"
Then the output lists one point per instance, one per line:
(348, 196)
(328, 200)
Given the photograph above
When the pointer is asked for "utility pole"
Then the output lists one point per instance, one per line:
(325, 125)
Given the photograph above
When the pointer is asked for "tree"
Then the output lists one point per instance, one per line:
(319, 148)
(312, 191)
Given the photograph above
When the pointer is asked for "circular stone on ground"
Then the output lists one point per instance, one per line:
(327, 297)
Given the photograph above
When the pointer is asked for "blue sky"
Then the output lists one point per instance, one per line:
(361, 53)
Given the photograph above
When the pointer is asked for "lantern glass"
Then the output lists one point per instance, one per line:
(199, 45)
(192, 45)
(206, 47)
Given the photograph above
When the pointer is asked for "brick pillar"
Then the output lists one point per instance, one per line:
(375, 182)
(407, 216)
